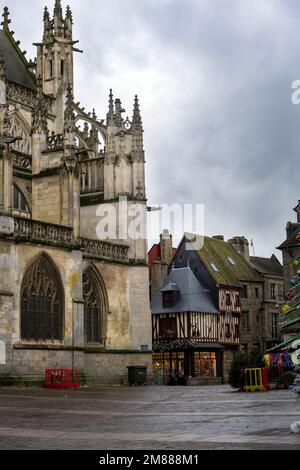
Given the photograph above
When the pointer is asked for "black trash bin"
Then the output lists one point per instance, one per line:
(137, 375)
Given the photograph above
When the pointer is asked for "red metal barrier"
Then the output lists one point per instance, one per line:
(61, 378)
(265, 378)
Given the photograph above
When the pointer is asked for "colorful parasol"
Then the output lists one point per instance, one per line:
(282, 359)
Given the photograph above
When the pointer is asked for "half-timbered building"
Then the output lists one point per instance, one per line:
(190, 332)
(237, 292)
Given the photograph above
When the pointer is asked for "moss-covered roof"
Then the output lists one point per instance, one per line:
(217, 252)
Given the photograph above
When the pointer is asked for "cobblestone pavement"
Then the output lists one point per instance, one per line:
(169, 418)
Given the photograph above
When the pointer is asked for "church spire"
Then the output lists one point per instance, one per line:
(136, 119)
(6, 21)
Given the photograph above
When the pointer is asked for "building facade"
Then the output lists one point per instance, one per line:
(290, 249)
(254, 284)
(71, 293)
(191, 337)
(271, 273)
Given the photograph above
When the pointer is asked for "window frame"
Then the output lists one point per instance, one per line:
(42, 314)
(94, 325)
(19, 198)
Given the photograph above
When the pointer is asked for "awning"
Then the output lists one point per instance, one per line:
(285, 344)
(184, 345)
(290, 323)
(208, 346)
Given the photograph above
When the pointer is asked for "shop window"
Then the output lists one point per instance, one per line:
(205, 364)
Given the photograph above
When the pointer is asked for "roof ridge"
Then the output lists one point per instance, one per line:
(10, 35)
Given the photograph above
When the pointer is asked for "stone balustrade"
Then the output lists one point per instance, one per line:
(33, 231)
(105, 249)
(42, 232)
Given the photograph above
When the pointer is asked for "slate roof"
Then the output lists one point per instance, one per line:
(291, 239)
(270, 266)
(15, 63)
(217, 252)
(192, 296)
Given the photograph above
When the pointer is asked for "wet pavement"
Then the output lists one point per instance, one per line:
(153, 417)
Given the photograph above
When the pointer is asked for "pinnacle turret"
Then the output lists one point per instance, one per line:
(136, 118)
(59, 26)
(6, 21)
(69, 14)
(58, 19)
(39, 116)
(58, 10)
(46, 15)
(47, 23)
(68, 23)
(110, 117)
(118, 112)
(55, 53)
(69, 115)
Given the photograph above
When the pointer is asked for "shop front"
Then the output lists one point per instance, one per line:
(193, 366)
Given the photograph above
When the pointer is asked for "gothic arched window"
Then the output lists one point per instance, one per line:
(19, 200)
(42, 301)
(95, 306)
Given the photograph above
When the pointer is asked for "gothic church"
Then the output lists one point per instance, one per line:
(68, 298)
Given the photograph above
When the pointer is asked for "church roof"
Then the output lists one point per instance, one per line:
(192, 295)
(269, 266)
(15, 62)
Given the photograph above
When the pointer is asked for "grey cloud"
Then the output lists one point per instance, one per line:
(214, 79)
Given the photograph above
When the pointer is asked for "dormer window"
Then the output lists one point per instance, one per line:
(168, 299)
(169, 295)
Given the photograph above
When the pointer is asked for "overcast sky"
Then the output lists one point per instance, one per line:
(214, 79)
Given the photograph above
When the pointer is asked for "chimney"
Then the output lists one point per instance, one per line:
(241, 245)
(166, 250)
(297, 210)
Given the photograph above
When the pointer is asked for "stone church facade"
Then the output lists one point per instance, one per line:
(69, 296)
